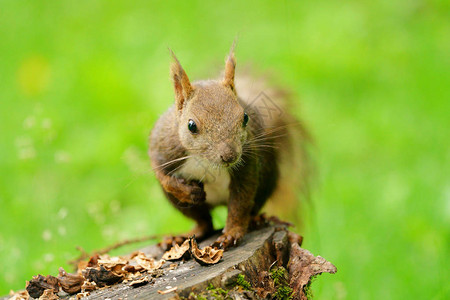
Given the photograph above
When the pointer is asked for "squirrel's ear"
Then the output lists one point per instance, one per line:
(181, 83)
(230, 65)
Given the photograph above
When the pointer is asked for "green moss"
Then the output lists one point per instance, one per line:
(280, 280)
(217, 292)
(211, 292)
(240, 281)
(283, 292)
(278, 275)
(307, 289)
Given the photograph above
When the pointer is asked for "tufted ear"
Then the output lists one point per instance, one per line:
(181, 83)
(230, 65)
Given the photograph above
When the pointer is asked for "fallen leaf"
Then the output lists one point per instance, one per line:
(110, 262)
(48, 295)
(82, 295)
(303, 266)
(207, 255)
(102, 276)
(91, 263)
(115, 263)
(148, 263)
(39, 283)
(134, 254)
(167, 291)
(70, 283)
(140, 282)
(21, 295)
(132, 268)
(88, 286)
(177, 252)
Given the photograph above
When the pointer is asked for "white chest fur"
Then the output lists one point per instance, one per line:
(215, 180)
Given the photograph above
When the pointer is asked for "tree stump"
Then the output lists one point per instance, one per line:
(268, 263)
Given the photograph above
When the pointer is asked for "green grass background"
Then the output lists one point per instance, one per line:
(82, 82)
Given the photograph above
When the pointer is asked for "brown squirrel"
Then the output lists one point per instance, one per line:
(215, 147)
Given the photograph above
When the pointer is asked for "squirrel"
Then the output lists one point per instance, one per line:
(215, 147)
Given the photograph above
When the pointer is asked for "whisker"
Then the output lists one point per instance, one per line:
(174, 170)
(173, 161)
(263, 146)
(267, 137)
(275, 129)
(250, 153)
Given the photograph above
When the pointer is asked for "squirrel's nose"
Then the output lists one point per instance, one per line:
(228, 158)
(228, 153)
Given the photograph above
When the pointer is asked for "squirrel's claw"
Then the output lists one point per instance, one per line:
(228, 239)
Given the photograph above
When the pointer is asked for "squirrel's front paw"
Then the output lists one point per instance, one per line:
(197, 192)
(191, 192)
(229, 238)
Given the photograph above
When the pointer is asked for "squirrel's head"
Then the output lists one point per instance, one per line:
(212, 123)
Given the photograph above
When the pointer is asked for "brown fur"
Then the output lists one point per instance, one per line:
(248, 155)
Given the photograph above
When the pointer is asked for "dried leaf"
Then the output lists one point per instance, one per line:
(88, 286)
(167, 291)
(70, 283)
(303, 266)
(148, 263)
(207, 255)
(140, 282)
(93, 262)
(102, 276)
(111, 262)
(134, 254)
(132, 268)
(115, 263)
(21, 295)
(177, 252)
(82, 295)
(48, 295)
(39, 283)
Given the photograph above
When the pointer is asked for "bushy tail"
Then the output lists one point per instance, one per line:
(294, 143)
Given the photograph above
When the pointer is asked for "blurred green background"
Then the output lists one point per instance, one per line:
(83, 82)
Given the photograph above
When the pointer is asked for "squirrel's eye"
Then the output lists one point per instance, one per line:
(192, 126)
(244, 123)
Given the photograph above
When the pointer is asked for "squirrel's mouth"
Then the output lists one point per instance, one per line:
(231, 163)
